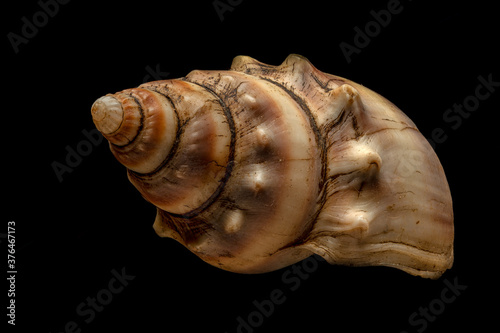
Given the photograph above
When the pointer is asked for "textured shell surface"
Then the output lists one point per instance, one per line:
(258, 167)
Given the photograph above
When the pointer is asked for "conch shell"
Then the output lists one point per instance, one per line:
(258, 167)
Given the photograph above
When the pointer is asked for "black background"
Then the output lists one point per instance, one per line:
(70, 235)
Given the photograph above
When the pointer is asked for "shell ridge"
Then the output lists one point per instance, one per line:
(187, 229)
(320, 139)
(173, 150)
(312, 122)
(230, 163)
(141, 122)
(374, 254)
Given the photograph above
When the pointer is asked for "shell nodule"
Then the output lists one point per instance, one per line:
(258, 167)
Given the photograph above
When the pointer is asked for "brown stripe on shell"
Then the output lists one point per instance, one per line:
(261, 178)
(154, 138)
(193, 176)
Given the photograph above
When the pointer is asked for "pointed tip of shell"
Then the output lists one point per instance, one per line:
(107, 113)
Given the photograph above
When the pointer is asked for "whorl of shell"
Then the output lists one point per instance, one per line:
(258, 167)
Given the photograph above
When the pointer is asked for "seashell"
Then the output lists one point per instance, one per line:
(258, 167)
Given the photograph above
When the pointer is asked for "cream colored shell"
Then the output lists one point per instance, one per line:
(258, 167)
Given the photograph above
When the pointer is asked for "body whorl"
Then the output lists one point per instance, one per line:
(260, 166)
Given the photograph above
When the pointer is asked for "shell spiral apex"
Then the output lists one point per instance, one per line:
(258, 167)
